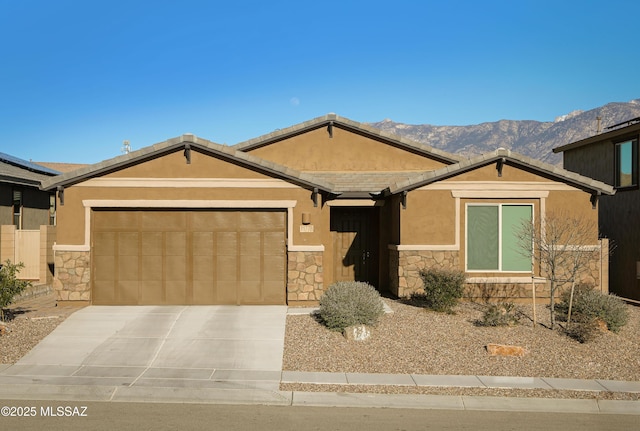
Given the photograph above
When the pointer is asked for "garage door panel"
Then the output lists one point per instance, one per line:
(152, 268)
(128, 269)
(105, 267)
(272, 292)
(176, 292)
(226, 269)
(250, 292)
(127, 292)
(152, 292)
(164, 221)
(175, 243)
(202, 244)
(203, 292)
(261, 220)
(115, 220)
(273, 268)
(104, 244)
(128, 243)
(189, 257)
(273, 243)
(104, 292)
(250, 268)
(151, 243)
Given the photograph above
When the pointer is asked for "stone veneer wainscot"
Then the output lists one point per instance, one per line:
(72, 276)
(305, 280)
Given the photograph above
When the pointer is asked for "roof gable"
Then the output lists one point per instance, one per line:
(324, 129)
(500, 157)
(185, 144)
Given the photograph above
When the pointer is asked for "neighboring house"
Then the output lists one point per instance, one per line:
(24, 208)
(277, 219)
(612, 157)
(22, 203)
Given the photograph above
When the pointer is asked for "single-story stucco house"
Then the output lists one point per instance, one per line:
(279, 218)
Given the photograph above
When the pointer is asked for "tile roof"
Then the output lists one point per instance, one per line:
(509, 157)
(175, 144)
(369, 182)
(346, 123)
(62, 167)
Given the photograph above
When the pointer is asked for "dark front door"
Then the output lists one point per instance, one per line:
(355, 244)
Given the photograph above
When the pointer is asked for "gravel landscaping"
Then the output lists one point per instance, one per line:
(412, 340)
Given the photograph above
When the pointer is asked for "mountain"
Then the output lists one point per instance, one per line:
(531, 138)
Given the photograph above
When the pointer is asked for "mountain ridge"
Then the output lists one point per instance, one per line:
(528, 137)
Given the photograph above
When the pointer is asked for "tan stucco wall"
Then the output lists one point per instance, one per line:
(174, 165)
(428, 218)
(346, 151)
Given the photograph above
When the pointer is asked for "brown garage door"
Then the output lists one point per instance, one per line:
(147, 257)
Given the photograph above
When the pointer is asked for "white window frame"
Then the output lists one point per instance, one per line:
(466, 236)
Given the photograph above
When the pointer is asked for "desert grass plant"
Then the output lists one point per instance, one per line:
(589, 304)
(502, 314)
(10, 286)
(348, 303)
(442, 289)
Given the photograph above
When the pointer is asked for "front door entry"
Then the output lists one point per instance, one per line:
(355, 244)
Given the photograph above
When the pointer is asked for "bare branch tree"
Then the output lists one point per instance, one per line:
(562, 246)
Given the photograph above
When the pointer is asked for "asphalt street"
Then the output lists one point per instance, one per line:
(99, 416)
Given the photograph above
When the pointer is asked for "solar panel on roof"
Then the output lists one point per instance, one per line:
(27, 165)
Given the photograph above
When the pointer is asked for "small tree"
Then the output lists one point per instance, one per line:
(562, 245)
(10, 286)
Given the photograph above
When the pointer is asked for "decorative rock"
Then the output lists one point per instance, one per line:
(357, 333)
(4, 329)
(503, 350)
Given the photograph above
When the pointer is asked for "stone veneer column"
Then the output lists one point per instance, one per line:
(72, 276)
(305, 281)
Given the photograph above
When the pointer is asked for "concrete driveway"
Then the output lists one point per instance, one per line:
(197, 347)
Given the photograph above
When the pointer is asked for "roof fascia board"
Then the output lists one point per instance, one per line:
(19, 181)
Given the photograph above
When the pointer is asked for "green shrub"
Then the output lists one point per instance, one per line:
(502, 314)
(442, 289)
(590, 304)
(10, 286)
(348, 303)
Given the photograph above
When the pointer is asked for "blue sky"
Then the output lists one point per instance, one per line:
(79, 77)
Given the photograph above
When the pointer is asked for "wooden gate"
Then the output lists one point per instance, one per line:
(27, 251)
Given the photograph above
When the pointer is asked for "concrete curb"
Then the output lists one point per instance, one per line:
(312, 399)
